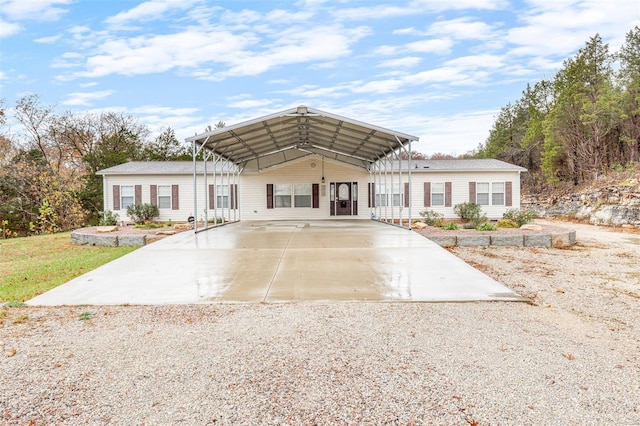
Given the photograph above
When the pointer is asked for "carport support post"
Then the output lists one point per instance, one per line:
(195, 188)
(410, 184)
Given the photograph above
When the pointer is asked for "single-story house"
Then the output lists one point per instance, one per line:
(308, 164)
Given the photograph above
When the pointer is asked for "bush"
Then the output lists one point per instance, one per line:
(471, 214)
(142, 213)
(507, 223)
(432, 218)
(487, 227)
(521, 217)
(108, 218)
(450, 226)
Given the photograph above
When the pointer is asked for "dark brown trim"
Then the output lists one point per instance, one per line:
(447, 194)
(175, 201)
(116, 197)
(472, 192)
(269, 195)
(315, 196)
(508, 194)
(406, 194)
(153, 190)
(138, 194)
(427, 194)
(212, 197)
(235, 196)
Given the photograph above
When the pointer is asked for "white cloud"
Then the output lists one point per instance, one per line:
(415, 7)
(48, 40)
(462, 29)
(439, 46)
(86, 98)
(7, 29)
(149, 11)
(33, 10)
(456, 134)
(249, 103)
(406, 62)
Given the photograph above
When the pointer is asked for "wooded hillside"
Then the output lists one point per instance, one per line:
(578, 125)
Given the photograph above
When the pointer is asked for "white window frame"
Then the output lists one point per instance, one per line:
(437, 191)
(495, 193)
(222, 196)
(125, 189)
(397, 196)
(381, 195)
(493, 189)
(164, 199)
(299, 191)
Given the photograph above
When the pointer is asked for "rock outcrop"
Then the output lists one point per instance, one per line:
(616, 204)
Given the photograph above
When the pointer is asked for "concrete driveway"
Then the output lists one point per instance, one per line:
(283, 261)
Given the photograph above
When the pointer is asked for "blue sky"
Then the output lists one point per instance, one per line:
(437, 69)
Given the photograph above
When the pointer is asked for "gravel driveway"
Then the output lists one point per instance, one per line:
(572, 356)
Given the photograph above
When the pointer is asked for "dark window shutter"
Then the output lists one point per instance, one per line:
(269, 195)
(472, 192)
(138, 194)
(212, 198)
(153, 189)
(234, 196)
(406, 194)
(116, 197)
(447, 194)
(427, 194)
(371, 196)
(175, 202)
(508, 194)
(315, 195)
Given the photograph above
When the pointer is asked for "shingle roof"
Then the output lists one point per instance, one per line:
(186, 167)
(487, 164)
(155, 168)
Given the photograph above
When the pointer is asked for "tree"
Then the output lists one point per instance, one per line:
(629, 79)
(166, 147)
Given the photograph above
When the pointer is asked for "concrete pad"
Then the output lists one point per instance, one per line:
(281, 262)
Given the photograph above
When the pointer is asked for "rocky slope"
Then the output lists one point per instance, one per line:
(615, 201)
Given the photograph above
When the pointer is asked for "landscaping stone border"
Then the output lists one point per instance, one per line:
(548, 240)
(108, 240)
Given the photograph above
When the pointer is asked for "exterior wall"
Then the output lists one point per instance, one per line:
(460, 191)
(253, 190)
(185, 198)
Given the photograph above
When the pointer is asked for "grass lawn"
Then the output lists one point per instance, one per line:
(32, 265)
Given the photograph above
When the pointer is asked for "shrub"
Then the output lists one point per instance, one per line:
(108, 218)
(507, 223)
(141, 213)
(521, 217)
(487, 227)
(432, 218)
(471, 214)
(451, 226)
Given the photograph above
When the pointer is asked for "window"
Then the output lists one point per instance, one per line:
(164, 196)
(222, 196)
(282, 195)
(482, 193)
(381, 194)
(126, 196)
(437, 194)
(490, 193)
(397, 195)
(302, 194)
(497, 194)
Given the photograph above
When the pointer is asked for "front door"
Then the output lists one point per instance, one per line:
(343, 199)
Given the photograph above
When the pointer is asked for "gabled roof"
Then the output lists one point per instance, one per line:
(418, 166)
(471, 165)
(155, 168)
(297, 132)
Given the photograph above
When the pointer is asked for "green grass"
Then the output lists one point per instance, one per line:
(32, 265)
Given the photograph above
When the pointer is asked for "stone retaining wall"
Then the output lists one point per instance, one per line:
(555, 240)
(108, 240)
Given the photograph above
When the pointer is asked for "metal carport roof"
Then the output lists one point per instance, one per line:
(297, 132)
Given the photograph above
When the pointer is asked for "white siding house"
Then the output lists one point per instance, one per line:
(313, 187)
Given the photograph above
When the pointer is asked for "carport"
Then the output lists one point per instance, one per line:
(270, 141)
(284, 261)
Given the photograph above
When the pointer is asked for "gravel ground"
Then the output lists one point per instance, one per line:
(571, 356)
